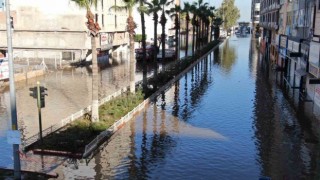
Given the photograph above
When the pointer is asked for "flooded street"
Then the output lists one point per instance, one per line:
(225, 119)
(68, 92)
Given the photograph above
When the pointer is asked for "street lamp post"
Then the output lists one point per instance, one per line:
(13, 108)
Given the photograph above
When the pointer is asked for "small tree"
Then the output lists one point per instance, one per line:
(229, 13)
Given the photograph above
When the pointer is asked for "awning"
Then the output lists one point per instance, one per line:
(300, 72)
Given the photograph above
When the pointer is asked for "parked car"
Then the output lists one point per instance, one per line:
(150, 50)
(169, 54)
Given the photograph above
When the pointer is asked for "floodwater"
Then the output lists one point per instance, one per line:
(69, 91)
(227, 118)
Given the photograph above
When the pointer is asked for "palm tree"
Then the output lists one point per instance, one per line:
(154, 7)
(216, 25)
(131, 26)
(93, 27)
(199, 8)
(193, 9)
(203, 8)
(186, 10)
(142, 9)
(207, 17)
(212, 16)
(175, 13)
(163, 21)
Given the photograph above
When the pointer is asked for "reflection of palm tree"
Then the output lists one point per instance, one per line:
(199, 88)
(185, 111)
(216, 56)
(153, 149)
(175, 108)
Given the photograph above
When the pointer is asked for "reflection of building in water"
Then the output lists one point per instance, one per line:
(281, 139)
(68, 92)
(253, 57)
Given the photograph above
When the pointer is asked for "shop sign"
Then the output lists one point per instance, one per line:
(295, 47)
(304, 49)
(289, 47)
(303, 63)
(314, 53)
(106, 40)
(314, 70)
(283, 41)
(317, 94)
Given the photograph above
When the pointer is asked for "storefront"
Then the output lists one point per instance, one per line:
(294, 73)
(313, 78)
(281, 62)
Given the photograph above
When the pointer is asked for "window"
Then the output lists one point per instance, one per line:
(102, 20)
(102, 5)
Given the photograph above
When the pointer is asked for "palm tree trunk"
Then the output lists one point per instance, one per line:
(187, 36)
(177, 36)
(132, 66)
(211, 31)
(198, 37)
(95, 82)
(143, 26)
(155, 52)
(193, 38)
(207, 35)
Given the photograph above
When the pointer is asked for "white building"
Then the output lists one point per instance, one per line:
(57, 29)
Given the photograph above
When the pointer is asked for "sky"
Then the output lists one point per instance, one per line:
(243, 5)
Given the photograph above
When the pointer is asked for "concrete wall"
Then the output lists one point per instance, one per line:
(44, 25)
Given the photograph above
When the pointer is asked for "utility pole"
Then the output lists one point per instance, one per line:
(13, 108)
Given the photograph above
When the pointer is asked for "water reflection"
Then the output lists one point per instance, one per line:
(228, 56)
(283, 152)
(211, 125)
(68, 92)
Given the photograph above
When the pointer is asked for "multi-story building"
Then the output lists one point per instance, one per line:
(255, 13)
(291, 41)
(57, 29)
(313, 81)
(269, 15)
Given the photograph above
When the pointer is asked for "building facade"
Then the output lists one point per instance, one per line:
(255, 13)
(291, 37)
(57, 29)
(313, 78)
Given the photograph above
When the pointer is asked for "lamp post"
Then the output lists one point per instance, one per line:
(13, 108)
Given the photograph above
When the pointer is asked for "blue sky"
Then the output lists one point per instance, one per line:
(243, 5)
